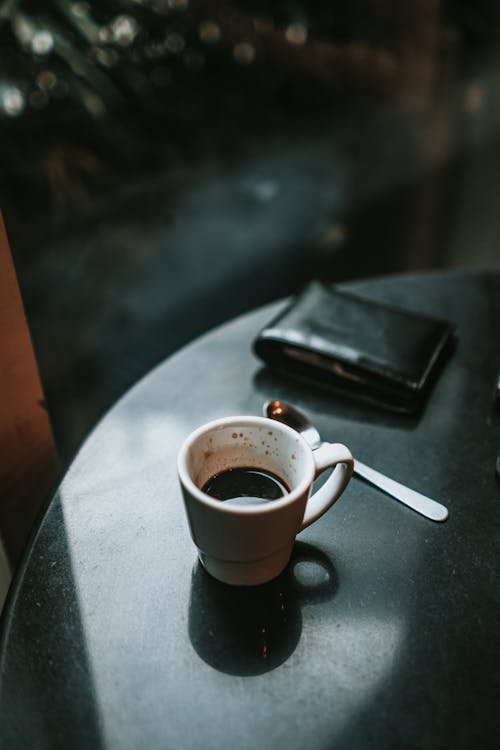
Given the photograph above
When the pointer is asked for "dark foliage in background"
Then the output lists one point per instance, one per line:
(92, 90)
(167, 164)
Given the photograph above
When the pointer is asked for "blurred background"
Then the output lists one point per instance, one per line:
(168, 164)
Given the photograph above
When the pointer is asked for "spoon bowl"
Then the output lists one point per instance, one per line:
(288, 414)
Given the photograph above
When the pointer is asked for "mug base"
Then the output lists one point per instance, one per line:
(251, 573)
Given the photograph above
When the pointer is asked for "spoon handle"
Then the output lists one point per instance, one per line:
(422, 504)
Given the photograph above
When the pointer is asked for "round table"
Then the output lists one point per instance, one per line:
(381, 633)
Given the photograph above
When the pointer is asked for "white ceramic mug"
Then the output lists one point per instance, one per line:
(251, 544)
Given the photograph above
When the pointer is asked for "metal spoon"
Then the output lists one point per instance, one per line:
(287, 414)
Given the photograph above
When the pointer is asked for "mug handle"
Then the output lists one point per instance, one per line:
(327, 455)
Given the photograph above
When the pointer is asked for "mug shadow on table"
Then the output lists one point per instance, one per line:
(249, 630)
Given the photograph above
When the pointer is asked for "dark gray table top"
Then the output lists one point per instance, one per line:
(383, 633)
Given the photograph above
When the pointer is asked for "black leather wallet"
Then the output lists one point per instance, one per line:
(361, 347)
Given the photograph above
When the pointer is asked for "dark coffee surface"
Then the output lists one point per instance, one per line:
(246, 486)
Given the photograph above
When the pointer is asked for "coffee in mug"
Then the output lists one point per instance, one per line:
(246, 486)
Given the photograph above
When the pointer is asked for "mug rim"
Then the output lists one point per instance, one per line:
(244, 421)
